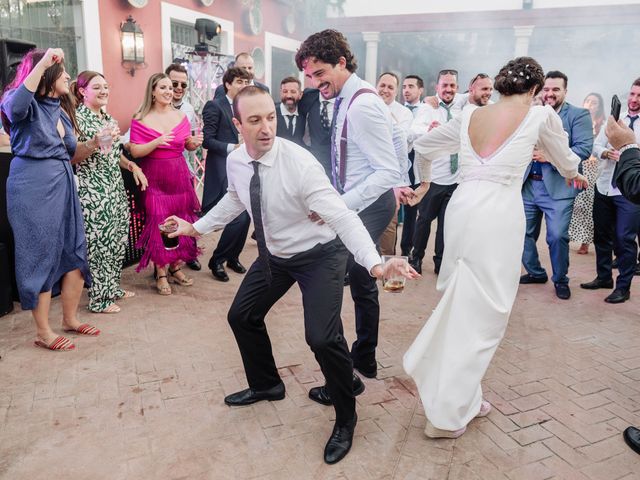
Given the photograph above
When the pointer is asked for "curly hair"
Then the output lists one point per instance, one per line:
(232, 73)
(519, 76)
(326, 46)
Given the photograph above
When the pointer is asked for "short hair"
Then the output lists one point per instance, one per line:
(248, 91)
(392, 74)
(418, 80)
(327, 46)
(291, 80)
(479, 76)
(241, 55)
(519, 76)
(232, 73)
(175, 67)
(636, 82)
(557, 74)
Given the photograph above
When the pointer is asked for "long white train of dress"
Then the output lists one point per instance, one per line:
(484, 238)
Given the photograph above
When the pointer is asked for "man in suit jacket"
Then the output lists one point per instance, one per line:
(627, 178)
(290, 122)
(545, 192)
(220, 139)
(318, 112)
(245, 61)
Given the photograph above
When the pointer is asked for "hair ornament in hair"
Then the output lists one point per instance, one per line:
(509, 72)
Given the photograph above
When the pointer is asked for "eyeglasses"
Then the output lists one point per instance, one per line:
(184, 85)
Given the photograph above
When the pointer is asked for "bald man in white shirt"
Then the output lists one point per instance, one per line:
(280, 184)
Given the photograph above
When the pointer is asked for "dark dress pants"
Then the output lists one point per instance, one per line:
(364, 289)
(232, 240)
(615, 226)
(408, 228)
(433, 205)
(320, 276)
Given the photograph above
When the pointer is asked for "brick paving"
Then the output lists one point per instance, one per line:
(145, 398)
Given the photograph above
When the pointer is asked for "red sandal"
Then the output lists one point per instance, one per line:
(60, 344)
(84, 329)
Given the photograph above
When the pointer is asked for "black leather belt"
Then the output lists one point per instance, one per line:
(533, 176)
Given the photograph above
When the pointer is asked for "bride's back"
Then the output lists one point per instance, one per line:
(492, 126)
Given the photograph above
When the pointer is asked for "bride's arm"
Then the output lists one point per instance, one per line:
(440, 141)
(555, 142)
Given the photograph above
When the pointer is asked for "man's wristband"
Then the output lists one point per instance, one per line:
(627, 147)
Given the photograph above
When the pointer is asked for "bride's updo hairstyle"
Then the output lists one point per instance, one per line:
(519, 76)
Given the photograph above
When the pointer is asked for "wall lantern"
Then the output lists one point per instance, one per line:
(132, 40)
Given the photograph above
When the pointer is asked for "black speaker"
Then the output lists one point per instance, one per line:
(11, 53)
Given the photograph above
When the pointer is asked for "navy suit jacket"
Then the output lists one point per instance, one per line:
(218, 131)
(298, 131)
(220, 93)
(319, 137)
(628, 175)
(577, 123)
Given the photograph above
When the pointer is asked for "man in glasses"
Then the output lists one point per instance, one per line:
(444, 178)
(180, 81)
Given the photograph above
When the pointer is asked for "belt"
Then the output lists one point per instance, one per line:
(533, 176)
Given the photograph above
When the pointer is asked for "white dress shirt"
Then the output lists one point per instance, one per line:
(606, 167)
(402, 119)
(285, 113)
(372, 165)
(293, 184)
(440, 167)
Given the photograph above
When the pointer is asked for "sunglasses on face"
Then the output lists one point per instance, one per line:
(184, 85)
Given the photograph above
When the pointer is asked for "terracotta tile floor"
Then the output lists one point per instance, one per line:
(144, 400)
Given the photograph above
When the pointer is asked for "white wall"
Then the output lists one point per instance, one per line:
(357, 8)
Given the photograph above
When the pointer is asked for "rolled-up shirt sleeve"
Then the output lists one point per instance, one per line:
(555, 142)
(323, 199)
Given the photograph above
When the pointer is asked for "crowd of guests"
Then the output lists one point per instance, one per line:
(416, 159)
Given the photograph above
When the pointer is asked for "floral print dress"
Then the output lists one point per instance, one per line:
(106, 213)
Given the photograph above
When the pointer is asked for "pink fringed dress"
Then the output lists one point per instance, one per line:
(170, 192)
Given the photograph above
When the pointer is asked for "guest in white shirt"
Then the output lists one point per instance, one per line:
(364, 168)
(279, 183)
(444, 173)
(412, 91)
(616, 220)
(402, 118)
(290, 122)
(479, 94)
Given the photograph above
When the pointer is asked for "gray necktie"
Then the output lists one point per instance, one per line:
(453, 158)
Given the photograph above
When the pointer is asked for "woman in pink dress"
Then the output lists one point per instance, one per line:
(159, 135)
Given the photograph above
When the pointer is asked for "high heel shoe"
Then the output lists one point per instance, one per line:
(162, 289)
(184, 281)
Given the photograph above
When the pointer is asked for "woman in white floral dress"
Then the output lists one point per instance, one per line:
(102, 195)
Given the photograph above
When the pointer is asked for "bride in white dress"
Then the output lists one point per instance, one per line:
(484, 238)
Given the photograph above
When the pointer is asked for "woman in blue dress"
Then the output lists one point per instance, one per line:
(42, 201)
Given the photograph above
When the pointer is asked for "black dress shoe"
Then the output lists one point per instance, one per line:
(195, 265)
(597, 283)
(369, 371)
(632, 438)
(236, 266)
(526, 279)
(340, 441)
(321, 394)
(249, 396)
(618, 296)
(416, 264)
(219, 273)
(563, 292)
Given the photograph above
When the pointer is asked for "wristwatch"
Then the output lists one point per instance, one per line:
(627, 147)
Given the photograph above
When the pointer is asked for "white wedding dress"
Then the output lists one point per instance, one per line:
(484, 238)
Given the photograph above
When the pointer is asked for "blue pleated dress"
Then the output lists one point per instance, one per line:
(42, 200)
